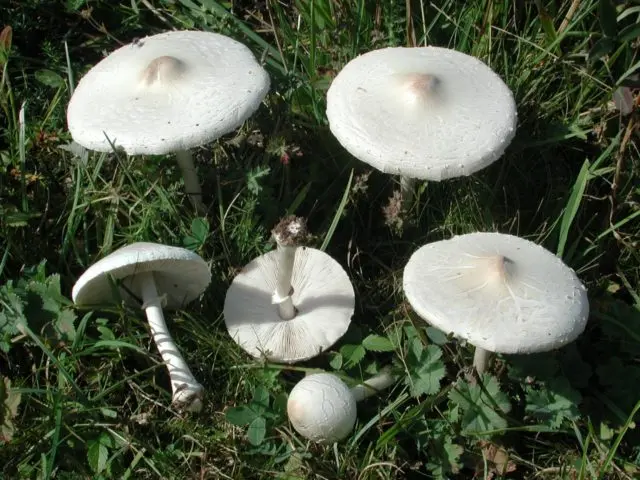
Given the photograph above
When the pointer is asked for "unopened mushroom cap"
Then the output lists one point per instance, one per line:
(322, 294)
(427, 112)
(321, 408)
(167, 92)
(502, 293)
(178, 273)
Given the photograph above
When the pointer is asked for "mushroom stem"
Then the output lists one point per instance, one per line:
(288, 233)
(481, 360)
(191, 181)
(286, 258)
(373, 385)
(187, 392)
(407, 191)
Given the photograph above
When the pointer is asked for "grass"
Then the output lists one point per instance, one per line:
(88, 397)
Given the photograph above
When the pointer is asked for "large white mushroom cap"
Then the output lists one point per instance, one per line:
(167, 92)
(322, 294)
(179, 274)
(321, 408)
(428, 112)
(502, 293)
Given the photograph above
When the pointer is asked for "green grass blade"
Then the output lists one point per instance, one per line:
(572, 207)
(336, 217)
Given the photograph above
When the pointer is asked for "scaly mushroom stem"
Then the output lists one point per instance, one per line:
(191, 181)
(481, 360)
(187, 392)
(288, 234)
(407, 192)
(373, 385)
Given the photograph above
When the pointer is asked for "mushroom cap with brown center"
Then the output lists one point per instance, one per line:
(426, 112)
(167, 92)
(500, 292)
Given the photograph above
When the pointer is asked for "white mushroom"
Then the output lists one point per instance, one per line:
(423, 113)
(153, 275)
(290, 304)
(322, 408)
(501, 293)
(168, 93)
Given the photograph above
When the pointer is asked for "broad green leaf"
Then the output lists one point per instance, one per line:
(553, 402)
(97, 454)
(444, 458)
(240, 416)
(260, 401)
(106, 440)
(336, 361)
(49, 78)
(198, 235)
(482, 405)
(436, 336)
(253, 177)
(257, 431)
(108, 412)
(106, 334)
(395, 335)
(352, 354)
(377, 343)
(65, 324)
(426, 369)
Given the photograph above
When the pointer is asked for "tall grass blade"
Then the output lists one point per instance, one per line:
(336, 217)
(572, 207)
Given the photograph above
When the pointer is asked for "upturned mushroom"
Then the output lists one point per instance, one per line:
(168, 93)
(152, 276)
(292, 303)
(426, 113)
(501, 293)
(322, 408)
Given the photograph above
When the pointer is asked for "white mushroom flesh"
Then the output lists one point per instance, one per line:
(321, 408)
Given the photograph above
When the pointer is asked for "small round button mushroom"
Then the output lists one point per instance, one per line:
(168, 93)
(501, 293)
(292, 303)
(322, 408)
(427, 113)
(153, 276)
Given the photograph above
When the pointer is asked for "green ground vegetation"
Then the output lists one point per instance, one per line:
(83, 393)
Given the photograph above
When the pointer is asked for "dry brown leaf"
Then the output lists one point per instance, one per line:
(498, 456)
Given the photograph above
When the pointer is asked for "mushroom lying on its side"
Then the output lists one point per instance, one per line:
(501, 293)
(290, 304)
(322, 408)
(168, 93)
(151, 275)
